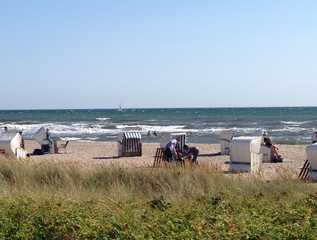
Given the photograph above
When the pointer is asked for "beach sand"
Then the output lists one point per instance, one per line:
(92, 154)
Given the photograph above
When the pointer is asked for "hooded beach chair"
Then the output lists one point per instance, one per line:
(225, 138)
(309, 169)
(181, 140)
(12, 145)
(246, 154)
(47, 144)
(130, 145)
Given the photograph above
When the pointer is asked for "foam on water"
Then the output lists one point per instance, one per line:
(201, 124)
(157, 128)
(59, 129)
(295, 123)
(103, 119)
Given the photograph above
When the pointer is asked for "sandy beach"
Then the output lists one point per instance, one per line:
(90, 154)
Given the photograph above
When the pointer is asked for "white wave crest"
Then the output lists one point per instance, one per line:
(290, 129)
(103, 119)
(157, 128)
(295, 123)
(59, 129)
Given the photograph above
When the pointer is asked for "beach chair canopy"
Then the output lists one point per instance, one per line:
(182, 140)
(132, 135)
(40, 136)
(226, 135)
(241, 148)
(225, 138)
(311, 154)
(10, 143)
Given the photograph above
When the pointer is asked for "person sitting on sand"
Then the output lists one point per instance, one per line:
(171, 152)
(314, 137)
(47, 146)
(191, 152)
(275, 156)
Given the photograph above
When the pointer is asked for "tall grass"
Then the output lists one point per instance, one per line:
(65, 201)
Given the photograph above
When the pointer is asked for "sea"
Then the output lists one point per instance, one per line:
(291, 125)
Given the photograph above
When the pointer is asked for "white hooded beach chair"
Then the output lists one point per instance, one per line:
(40, 136)
(309, 171)
(245, 154)
(225, 138)
(11, 144)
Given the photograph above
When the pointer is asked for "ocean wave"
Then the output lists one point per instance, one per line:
(157, 128)
(290, 129)
(103, 119)
(59, 129)
(183, 129)
(70, 138)
(83, 131)
(295, 123)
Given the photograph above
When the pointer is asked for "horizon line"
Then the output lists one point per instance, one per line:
(133, 108)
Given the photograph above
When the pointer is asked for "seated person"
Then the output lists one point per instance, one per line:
(275, 156)
(171, 152)
(48, 143)
(314, 137)
(191, 152)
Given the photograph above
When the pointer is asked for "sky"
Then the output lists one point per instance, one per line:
(100, 54)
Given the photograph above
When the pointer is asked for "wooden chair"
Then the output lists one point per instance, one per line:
(305, 171)
(160, 158)
(63, 146)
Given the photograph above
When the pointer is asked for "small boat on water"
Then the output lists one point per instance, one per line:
(120, 109)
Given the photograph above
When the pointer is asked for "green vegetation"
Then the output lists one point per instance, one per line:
(60, 201)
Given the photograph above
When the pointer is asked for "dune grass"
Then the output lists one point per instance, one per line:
(64, 201)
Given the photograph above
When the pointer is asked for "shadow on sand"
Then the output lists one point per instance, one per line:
(210, 154)
(106, 158)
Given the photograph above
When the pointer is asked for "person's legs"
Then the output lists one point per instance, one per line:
(194, 152)
(168, 155)
(276, 157)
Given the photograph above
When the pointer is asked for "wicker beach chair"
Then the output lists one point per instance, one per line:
(130, 145)
(160, 159)
(305, 171)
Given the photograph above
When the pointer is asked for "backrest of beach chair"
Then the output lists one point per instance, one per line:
(181, 140)
(131, 144)
(304, 173)
(10, 142)
(244, 149)
(311, 155)
(225, 138)
(159, 157)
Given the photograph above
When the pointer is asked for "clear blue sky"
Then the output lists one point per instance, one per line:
(98, 54)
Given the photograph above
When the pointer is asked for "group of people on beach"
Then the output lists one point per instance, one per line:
(46, 145)
(174, 152)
